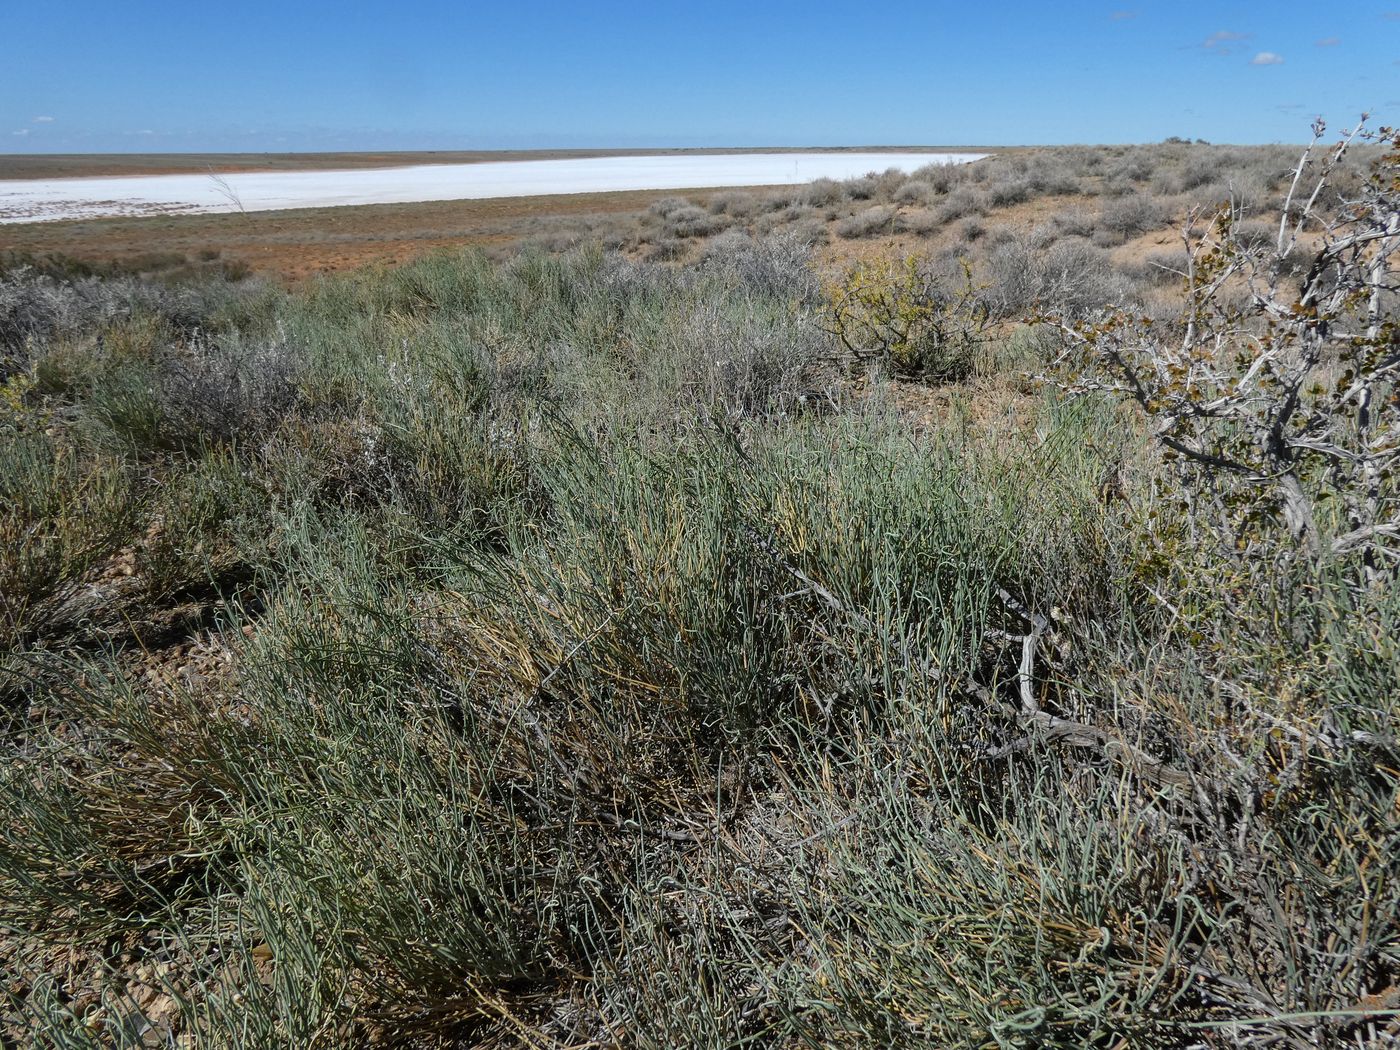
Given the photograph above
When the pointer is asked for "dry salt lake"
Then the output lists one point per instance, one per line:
(42, 200)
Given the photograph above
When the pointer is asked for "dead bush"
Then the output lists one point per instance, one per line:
(872, 222)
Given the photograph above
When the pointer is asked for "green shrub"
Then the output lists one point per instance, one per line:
(201, 516)
(61, 514)
(919, 321)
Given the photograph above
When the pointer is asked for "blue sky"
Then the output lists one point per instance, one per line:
(142, 76)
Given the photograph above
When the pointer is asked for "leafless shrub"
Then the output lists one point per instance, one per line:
(960, 203)
(915, 191)
(1050, 174)
(692, 221)
(667, 249)
(724, 245)
(553, 243)
(920, 223)
(860, 189)
(1207, 195)
(942, 178)
(1075, 222)
(1081, 158)
(887, 182)
(37, 307)
(1255, 233)
(1167, 182)
(1132, 215)
(970, 230)
(982, 173)
(1044, 236)
(1348, 183)
(767, 224)
(789, 216)
(1070, 277)
(777, 266)
(999, 234)
(1136, 167)
(1007, 192)
(1283, 406)
(738, 205)
(33, 307)
(228, 389)
(667, 206)
(868, 223)
(822, 193)
(1159, 268)
(612, 240)
(729, 352)
(778, 200)
(1250, 191)
(811, 231)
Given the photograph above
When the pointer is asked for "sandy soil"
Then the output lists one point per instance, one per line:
(294, 245)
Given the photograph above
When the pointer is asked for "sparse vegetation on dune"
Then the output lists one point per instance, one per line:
(738, 650)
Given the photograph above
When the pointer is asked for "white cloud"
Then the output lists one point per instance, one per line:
(1224, 37)
(1223, 42)
(1329, 41)
(1266, 58)
(43, 120)
(21, 131)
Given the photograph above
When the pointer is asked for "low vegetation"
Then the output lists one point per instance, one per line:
(1123, 199)
(753, 649)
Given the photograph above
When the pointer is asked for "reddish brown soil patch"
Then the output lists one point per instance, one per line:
(298, 244)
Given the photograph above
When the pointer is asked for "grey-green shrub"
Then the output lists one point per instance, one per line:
(868, 223)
